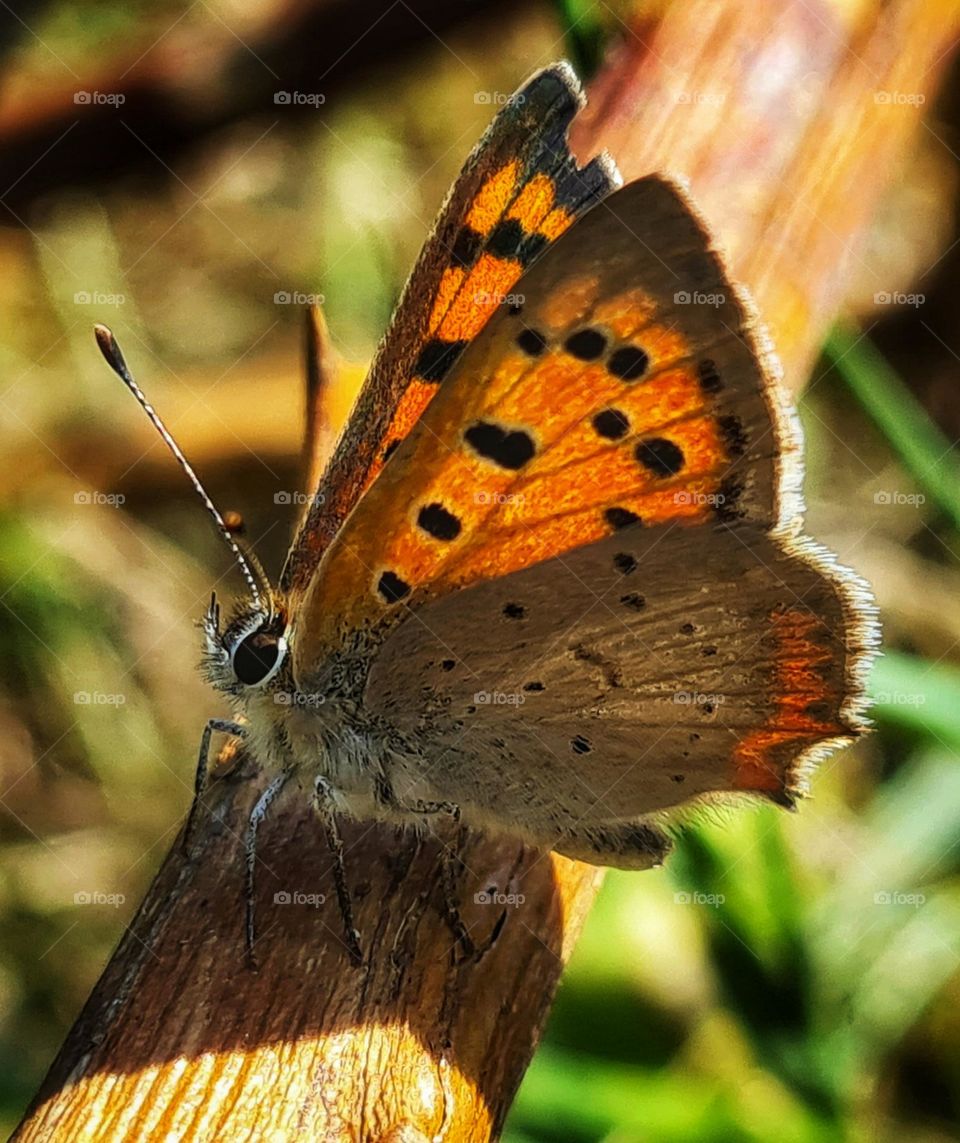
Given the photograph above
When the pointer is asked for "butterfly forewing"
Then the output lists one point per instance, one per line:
(518, 192)
(600, 400)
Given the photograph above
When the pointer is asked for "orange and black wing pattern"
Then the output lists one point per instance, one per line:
(603, 400)
(518, 192)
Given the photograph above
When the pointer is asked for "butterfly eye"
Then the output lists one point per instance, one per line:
(257, 657)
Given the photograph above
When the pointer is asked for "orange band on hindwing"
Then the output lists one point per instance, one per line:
(804, 703)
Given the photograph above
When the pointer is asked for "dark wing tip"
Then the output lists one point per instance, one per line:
(554, 92)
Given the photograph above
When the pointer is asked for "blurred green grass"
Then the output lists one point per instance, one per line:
(785, 977)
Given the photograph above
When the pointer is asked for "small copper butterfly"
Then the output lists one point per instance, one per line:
(553, 581)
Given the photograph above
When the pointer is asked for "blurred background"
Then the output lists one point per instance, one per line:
(190, 174)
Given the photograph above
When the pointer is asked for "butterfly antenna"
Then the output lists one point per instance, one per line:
(252, 572)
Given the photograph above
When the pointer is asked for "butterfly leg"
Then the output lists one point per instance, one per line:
(200, 776)
(419, 807)
(257, 814)
(387, 797)
(451, 866)
(324, 806)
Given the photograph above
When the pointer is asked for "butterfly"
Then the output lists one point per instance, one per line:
(552, 581)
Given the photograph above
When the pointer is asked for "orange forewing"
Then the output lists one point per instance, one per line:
(467, 298)
(519, 190)
(442, 515)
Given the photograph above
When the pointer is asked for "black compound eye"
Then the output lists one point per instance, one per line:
(257, 657)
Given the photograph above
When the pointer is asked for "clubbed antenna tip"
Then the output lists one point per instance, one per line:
(111, 351)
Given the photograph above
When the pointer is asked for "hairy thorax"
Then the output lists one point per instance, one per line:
(322, 730)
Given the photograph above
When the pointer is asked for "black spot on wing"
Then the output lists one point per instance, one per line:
(586, 344)
(436, 359)
(508, 448)
(634, 600)
(392, 587)
(466, 247)
(660, 456)
(726, 504)
(436, 521)
(511, 240)
(619, 518)
(506, 238)
(531, 342)
(611, 424)
(628, 363)
(709, 376)
(734, 435)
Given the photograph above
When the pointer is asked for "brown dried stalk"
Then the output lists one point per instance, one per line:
(770, 110)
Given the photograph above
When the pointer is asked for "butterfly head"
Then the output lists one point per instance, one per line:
(249, 651)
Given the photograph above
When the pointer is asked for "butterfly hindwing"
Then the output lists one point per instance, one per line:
(629, 675)
(519, 190)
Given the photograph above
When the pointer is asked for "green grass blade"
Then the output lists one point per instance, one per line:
(922, 448)
(916, 695)
(583, 32)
